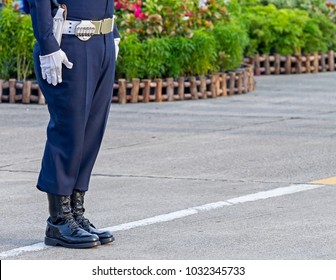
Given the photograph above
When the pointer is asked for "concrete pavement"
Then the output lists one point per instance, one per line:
(166, 158)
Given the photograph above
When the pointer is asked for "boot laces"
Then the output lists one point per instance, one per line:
(70, 221)
(83, 222)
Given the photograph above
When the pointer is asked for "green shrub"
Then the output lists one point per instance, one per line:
(323, 40)
(131, 55)
(168, 56)
(309, 5)
(195, 56)
(181, 52)
(231, 41)
(287, 25)
(7, 40)
(24, 50)
(261, 35)
(313, 38)
(16, 44)
(157, 51)
(287, 31)
(204, 56)
(247, 3)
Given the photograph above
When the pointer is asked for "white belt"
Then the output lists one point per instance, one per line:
(85, 29)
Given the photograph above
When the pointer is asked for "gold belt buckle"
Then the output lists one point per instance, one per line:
(85, 30)
(107, 25)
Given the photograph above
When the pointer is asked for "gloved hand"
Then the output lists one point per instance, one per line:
(116, 45)
(51, 66)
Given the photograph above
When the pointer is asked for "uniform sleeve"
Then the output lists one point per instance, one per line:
(116, 32)
(44, 22)
(25, 6)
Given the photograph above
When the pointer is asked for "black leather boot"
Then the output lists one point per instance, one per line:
(62, 228)
(77, 205)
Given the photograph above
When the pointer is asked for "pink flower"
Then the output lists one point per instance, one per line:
(118, 5)
(138, 13)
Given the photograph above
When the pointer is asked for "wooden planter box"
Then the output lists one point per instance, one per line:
(220, 84)
(299, 64)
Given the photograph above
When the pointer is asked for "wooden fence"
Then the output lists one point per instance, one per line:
(13, 91)
(158, 90)
(299, 64)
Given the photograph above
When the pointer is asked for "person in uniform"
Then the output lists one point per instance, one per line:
(76, 78)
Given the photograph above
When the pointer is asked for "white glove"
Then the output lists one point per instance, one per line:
(51, 66)
(116, 45)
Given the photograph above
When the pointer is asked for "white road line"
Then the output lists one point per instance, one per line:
(18, 251)
(181, 214)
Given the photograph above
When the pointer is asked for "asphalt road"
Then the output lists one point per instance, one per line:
(159, 162)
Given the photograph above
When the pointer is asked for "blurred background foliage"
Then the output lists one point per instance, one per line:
(172, 38)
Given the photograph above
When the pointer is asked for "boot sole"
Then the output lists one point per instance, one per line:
(106, 240)
(56, 242)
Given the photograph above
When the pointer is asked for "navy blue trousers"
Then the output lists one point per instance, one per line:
(79, 109)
